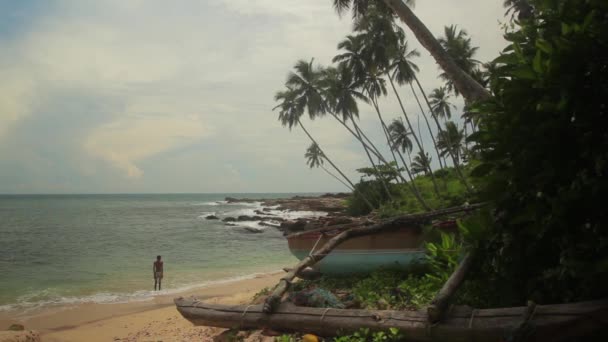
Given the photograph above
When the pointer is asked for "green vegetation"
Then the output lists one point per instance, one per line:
(532, 145)
(542, 145)
(403, 201)
(364, 335)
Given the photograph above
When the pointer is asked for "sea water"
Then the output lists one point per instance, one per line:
(63, 249)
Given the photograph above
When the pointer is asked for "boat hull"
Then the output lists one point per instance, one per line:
(398, 248)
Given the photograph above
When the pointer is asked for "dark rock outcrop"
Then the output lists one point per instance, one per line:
(212, 217)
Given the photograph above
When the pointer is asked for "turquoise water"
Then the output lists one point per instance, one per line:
(57, 249)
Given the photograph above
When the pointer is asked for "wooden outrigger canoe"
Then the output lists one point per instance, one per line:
(400, 247)
(542, 323)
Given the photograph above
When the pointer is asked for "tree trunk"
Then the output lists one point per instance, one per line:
(466, 85)
(335, 167)
(370, 147)
(336, 177)
(455, 160)
(436, 310)
(409, 124)
(378, 174)
(428, 125)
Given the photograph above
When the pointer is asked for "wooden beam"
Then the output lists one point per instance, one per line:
(439, 304)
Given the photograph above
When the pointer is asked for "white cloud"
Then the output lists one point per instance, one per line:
(125, 142)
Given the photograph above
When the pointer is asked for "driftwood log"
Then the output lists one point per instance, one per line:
(275, 298)
(550, 322)
(439, 304)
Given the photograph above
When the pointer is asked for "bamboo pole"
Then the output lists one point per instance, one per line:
(275, 298)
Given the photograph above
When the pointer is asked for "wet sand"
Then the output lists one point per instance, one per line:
(154, 320)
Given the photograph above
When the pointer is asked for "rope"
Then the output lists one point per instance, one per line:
(471, 320)
(316, 243)
(244, 313)
(323, 315)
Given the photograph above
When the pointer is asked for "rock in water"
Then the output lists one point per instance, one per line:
(212, 217)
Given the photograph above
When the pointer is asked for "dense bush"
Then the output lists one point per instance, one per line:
(403, 201)
(543, 147)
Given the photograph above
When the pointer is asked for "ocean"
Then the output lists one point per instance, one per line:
(70, 249)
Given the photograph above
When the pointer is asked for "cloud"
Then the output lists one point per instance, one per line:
(153, 96)
(125, 142)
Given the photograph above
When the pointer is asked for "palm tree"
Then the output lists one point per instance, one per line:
(404, 72)
(421, 163)
(341, 94)
(301, 95)
(305, 83)
(465, 84)
(457, 44)
(451, 141)
(400, 136)
(439, 100)
(315, 158)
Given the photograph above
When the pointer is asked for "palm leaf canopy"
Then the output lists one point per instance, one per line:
(403, 69)
(304, 81)
(291, 107)
(400, 136)
(314, 156)
(457, 44)
(341, 91)
(439, 100)
(421, 163)
(451, 138)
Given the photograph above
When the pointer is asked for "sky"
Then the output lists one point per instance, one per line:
(151, 96)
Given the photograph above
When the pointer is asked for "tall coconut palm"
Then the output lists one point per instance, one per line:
(404, 72)
(353, 60)
(302, 94)
(385, 49)
(465, 84)
(341, 95)
(441, 106)
(451, 140)
(421, 163)
(400, 140)
(400, 136)
(315, 158)
(457, 44)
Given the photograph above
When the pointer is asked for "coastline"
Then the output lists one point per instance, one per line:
(155, 317)
(155, 320)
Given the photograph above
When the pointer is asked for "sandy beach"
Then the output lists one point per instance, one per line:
(154, 320)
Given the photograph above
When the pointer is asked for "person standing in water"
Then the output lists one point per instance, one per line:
(157, 270)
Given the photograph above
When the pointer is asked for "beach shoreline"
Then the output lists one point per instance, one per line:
(153, 320)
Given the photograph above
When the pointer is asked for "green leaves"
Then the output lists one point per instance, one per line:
(540, 140)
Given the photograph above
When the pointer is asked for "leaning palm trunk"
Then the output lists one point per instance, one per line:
(337, 178)
(466, 85)
(420, 147)
(369, 145)
(336, 168)
(359, 135)
(440, 130)
(378, 174)
(428, 125)
(391, 143)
